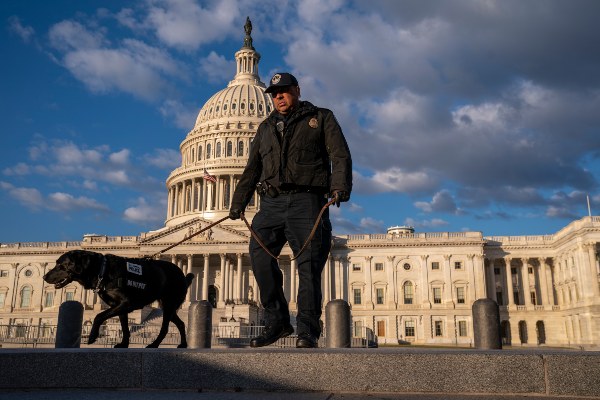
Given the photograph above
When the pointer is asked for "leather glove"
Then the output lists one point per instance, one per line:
(340, 196)
(234, 213)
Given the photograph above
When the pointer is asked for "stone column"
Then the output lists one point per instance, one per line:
(392, 299)
(479, 276)
(205, 277)
(424, 282)
(509, 283)
(369, 281)
(525, 276)
(491, 282)
(191, 292)
(592, 267)
(327, 282)
(447, 296)
(176, 202)
(221, 302)
(293, 284)
(544, 282)
(240, 292)
(471, 278)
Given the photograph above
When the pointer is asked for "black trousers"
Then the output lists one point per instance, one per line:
(290, 218)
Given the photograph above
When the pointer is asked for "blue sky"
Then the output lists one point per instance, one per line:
(460, 115)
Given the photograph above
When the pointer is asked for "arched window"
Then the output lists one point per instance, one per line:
(408, 292)
(229, 149)
(199, 153)
(208, 150)
(193, 155)
(240, 149)
(218, 150)
(26, 297)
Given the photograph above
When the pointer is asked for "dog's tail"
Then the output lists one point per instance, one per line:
(188, 279)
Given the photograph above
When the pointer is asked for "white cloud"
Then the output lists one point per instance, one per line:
(186, 25)
(442, 201)
(183, 116)
(394, 180)
(167, 159)
(19, 169)
(23, 31)
(217, 68)
(143, 213)
(65, 202)
(433, 223)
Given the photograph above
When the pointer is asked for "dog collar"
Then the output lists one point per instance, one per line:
(101, 275)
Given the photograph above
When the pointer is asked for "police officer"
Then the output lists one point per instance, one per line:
(298, 159)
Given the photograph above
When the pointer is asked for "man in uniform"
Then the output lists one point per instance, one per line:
(298, 159)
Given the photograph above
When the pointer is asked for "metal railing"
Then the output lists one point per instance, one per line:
(142, 335)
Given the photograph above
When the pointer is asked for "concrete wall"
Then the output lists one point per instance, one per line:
(558, 373)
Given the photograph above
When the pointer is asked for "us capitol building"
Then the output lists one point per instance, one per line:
(408, 287)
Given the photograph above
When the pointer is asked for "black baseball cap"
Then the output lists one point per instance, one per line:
(281, 79)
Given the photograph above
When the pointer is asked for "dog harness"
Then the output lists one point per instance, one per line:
(101, 275)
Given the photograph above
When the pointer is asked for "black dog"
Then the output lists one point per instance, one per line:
(125, 284)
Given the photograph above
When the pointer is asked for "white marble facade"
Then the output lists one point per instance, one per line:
(407, 286)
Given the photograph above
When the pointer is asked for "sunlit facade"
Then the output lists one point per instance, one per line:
(408, 287)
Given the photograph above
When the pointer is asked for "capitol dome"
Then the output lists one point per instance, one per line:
(215, 152)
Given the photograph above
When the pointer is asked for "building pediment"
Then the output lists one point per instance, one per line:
(194, 231)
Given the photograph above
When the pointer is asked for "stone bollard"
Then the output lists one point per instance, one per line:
(200, 325)
(70, 322)
(338, 321)
(486, 324)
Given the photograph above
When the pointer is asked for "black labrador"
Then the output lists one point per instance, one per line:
(125, 284)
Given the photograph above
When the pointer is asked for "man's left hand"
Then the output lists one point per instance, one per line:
(340, 196)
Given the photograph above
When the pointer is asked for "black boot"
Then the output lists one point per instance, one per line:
(306, 341)
(271, 334)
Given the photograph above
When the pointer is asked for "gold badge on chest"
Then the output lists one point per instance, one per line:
(313, 123)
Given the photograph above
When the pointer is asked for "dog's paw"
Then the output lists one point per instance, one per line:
(121, 345)
(182, 346)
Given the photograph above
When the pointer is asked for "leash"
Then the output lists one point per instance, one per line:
(310, 237)
(189, 237)
(254, 235)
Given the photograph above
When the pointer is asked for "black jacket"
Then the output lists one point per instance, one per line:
(310, 152)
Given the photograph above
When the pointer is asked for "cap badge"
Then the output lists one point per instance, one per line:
(275, 79)
(313, 123)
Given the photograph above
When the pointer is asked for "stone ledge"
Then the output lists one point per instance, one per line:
(338, 370)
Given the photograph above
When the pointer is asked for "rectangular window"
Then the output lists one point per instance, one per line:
(357, 296)
(408, 293)
(358, 328)
(499, 298)
(437, 295)
(496, 271)
(49, 301)
(458, 265)
(378, 266)
(516, 298)
(530, 270)
(3, 273)
(2, 299)
(435, 265)
(409, 328)
(356, 267)
(462, 328)
(513, 271)
(379, 295)
(69, 296)
(533, 299)
(438, 328)
(460, 295)
(381, 328)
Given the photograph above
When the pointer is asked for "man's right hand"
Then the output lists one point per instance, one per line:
(234, 213)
